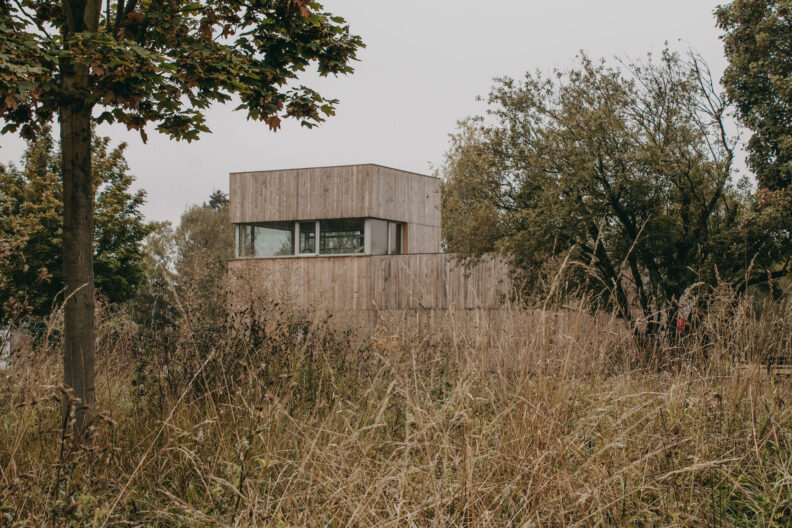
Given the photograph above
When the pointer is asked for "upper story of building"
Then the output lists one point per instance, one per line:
(326, 211)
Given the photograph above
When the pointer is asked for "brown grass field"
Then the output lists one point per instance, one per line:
(280, 419)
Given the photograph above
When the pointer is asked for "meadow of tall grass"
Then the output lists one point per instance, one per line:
(277, 417)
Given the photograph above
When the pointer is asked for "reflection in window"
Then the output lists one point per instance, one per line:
(351, 236)
(307, 237)
(245, 241)
(266, 240)
(339, 237)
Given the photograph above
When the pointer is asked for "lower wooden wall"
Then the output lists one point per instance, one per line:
(369, 287)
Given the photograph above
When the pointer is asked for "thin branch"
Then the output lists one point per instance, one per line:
(119, 15)
(32, 19)
(765, 277)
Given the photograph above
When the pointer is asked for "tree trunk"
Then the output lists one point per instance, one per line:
(78, 227)
(78, 208)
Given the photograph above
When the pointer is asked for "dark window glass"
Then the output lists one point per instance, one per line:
(307, 237)
(340, 237)
(395, 238)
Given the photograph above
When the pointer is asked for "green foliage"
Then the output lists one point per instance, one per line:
(758, 79)
(154, 305)
(186, 268)
(140, 63)
(166, 62)
(204, 243)
(757, 42)
(217, 200)
(31, 210)
(612, 182)
(30, 222)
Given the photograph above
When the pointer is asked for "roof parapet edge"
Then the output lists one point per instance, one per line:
(335, 167)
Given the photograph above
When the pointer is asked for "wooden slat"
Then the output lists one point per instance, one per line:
(395, 282)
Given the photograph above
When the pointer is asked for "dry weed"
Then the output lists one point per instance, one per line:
(278, 420)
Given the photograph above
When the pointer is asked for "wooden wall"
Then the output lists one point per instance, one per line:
(425, 282)
(352, 191)
(422, 239)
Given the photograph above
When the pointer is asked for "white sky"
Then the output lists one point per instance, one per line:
(424, 65)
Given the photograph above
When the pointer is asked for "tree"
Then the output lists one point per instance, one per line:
(31, 222)
(154, 305)
(186, 268)
(31, 216)
(140, 62)
(217, 200)
(615, 183)
(204, 241)
(758, 42)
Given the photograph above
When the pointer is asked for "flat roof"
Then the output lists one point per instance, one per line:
(337, 167)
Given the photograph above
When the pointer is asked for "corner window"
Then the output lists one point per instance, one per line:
(340, 237)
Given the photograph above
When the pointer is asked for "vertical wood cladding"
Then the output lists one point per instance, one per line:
(421, 282)
(353, 191)
(388, 282)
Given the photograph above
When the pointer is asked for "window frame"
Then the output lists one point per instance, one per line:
(398, 230)
(297, 230)
(250, 238)
(366, 235)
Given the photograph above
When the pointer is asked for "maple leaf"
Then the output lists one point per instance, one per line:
(274, 122)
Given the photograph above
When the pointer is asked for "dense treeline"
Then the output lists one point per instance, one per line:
(618, 182)
(31, 229)
(144, 266)
(613, 182)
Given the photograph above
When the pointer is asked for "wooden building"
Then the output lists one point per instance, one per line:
(360, 240)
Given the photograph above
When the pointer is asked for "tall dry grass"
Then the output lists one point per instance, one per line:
(278, 419)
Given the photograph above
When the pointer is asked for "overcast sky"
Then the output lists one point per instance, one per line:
(424, 65)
